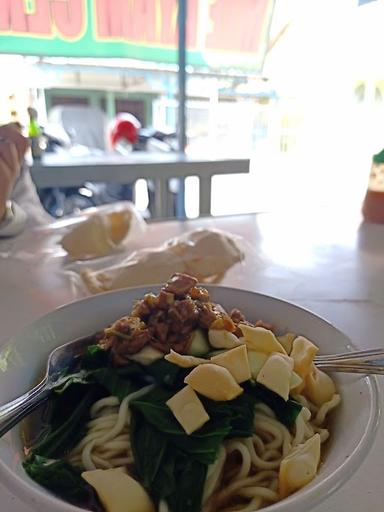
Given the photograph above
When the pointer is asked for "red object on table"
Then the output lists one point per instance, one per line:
(126, 128)
(373, 205)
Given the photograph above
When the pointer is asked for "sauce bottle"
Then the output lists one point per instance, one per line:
(34, 132)
(373, 204)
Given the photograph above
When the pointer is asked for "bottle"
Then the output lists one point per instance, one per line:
(34, 132)
(373, 204)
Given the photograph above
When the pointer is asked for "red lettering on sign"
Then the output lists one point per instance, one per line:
(134, 21)
(143, 21)
(110, 17)
(245, 24)
(12, 16)
(193, 8)
(168, 22)
(39, 22)
(68, 16)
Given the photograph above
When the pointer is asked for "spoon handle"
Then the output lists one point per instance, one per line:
(13, 412)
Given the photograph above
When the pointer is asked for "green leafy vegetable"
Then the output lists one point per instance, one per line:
(61, 437)
(147, 439)
(167, 374)
(240, 412)
(119, 383)
(167, 472)
(201, 445)
(132, 370)
(63, 480)
(95, 357)
(65, 380)
(286, 412)
(171, 464)
(109, 379)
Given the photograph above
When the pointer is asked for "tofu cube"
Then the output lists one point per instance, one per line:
(118, 491)
(299, 467)
(236, 362)
(261, 340)
(188, 410)
(303, 353)
(214, 382)
(276, 374)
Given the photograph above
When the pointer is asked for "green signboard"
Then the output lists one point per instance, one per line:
(220, 33)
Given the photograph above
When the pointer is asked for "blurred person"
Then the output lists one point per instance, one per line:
(19, 203)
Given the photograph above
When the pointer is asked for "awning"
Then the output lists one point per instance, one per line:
(222, 33)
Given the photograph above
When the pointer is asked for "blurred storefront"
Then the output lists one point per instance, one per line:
(122, 57)
(296, 84)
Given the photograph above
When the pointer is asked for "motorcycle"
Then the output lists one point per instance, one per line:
(60, 201)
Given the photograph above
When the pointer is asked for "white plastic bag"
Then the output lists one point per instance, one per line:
(204, 253)
(88, 233)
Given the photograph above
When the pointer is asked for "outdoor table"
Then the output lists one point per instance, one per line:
(326, 261)
(62, 170)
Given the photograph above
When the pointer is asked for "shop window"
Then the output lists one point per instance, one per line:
(69, 100)
(134, 107)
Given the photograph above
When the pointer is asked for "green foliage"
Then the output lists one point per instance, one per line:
(62, 479)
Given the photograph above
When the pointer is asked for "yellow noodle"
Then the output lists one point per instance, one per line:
(325, 409)
(104, 402)
(255, 480)
(258, 444)
(258, 482)
(163, 507)
(299, 430)
(257, 461)
(239, 484)
(323, 432)
(272, 455)
(263, 408)
(255, 504)
(263, 492)
(303, 429)
(106, 444)
(214, 474)
(276, 429)
(245, 456)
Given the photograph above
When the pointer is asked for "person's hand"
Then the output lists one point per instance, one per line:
(12, 150)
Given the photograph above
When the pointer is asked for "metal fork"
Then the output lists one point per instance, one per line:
(361, 361)
(65, 356)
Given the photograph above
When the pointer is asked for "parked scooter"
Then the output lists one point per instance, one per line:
(126, 136)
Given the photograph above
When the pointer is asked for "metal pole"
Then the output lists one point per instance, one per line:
(182, 121)
(181, 74)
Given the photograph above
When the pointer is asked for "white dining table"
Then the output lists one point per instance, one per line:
(324, 260)
(64, 170)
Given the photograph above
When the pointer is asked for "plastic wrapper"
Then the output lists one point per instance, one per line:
(93, 233)
(206, 254)
(100, 234)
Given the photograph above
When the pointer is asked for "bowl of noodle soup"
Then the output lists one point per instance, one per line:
(23, 360)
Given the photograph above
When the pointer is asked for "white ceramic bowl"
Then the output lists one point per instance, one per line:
(352, 431)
